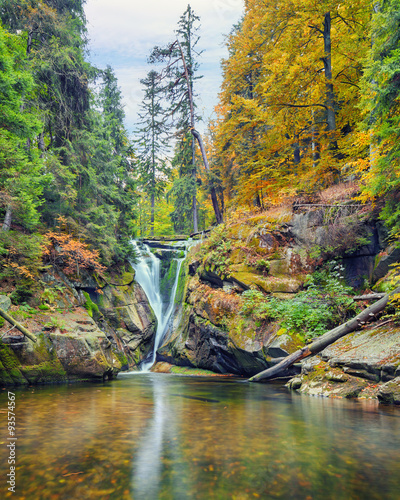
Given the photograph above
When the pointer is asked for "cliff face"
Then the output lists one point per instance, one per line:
(218, 327)
(85, 331)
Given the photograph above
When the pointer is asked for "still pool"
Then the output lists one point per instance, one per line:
(158, 436)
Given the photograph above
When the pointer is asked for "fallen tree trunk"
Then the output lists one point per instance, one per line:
(21, 328)
(370, 296)
(326, 339)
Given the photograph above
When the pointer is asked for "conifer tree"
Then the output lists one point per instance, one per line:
(151, 139)
(21, 172)
(181, 68)
(380, 163)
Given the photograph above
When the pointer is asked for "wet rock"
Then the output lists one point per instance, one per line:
(389, 393)
(128, 312)
(205, 346)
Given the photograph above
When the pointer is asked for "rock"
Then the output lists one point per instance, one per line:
(75, 350)
(205, 346)
(294, 384)
(5, 303)
(389, 393)
(129, 314)
(373, 353)
(384, 261)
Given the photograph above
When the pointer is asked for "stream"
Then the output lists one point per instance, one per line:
(151, 436)
(155, 436)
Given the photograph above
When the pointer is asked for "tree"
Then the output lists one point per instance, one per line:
(152, 141)
(289, 98)
(380, 104)
(181, 68)
(82, 140)
(21, 173)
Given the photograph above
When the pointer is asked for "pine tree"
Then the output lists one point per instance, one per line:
(380, 164)
(151, 139)
(21, 170)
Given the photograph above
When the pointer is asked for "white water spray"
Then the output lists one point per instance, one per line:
(148, 276)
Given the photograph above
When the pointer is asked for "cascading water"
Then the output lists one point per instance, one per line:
(148, 276)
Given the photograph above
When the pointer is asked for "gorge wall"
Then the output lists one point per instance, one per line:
(274, 254)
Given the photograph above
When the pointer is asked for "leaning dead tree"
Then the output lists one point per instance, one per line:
(197, 135)
(174, 54)
(325, 340)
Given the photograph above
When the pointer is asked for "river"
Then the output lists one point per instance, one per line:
(158, 436)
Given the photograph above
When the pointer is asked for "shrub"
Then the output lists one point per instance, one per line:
(325, 303)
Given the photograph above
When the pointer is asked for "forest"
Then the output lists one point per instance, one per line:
(309, 101)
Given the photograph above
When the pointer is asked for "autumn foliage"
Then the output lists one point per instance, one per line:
(71, 254)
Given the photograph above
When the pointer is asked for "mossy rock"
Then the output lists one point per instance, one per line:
(5, 377)
(389, 393)
(271, 284)
(279, 267)
(5, 302)
(11, 363)
(44, 373)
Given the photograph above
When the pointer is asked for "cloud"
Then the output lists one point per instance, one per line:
(122, 34)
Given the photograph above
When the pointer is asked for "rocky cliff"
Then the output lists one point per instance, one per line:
(222, 325)
(85, 330)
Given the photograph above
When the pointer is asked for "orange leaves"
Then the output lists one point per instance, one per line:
(21, 270)
(72, 254)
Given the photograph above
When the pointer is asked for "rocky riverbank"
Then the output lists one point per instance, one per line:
(85, 330)
(222, 326)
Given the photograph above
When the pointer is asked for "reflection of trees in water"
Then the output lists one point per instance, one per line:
(154, 436)
(158, 462)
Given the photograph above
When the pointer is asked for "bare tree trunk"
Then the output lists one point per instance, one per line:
(197, 135)
(325, 340)
(152, 212)
(214, 199)
(7, 219)
(194, 202)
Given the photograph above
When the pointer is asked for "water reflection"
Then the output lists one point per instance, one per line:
(154, 436)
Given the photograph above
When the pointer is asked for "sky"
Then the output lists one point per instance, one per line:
(123, 32)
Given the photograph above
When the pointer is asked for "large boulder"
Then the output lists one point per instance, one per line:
(363, 364)
(5, 302)
(73, 348)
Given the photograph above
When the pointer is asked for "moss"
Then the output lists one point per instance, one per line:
(11, 364)
(186, 370)
(45, 373)
(167, 276)
(90, 306)
(121, 358)
(182, 284)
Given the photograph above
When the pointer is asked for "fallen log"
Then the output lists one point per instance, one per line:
(326, 339)
(15, 323)
(369, 296)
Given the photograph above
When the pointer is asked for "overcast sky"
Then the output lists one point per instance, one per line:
(123, 32)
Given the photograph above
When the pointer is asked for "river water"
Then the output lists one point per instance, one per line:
(158, 436)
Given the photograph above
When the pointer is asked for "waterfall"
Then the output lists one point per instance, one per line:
(148, 276)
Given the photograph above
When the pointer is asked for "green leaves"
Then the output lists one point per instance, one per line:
(325, 303)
